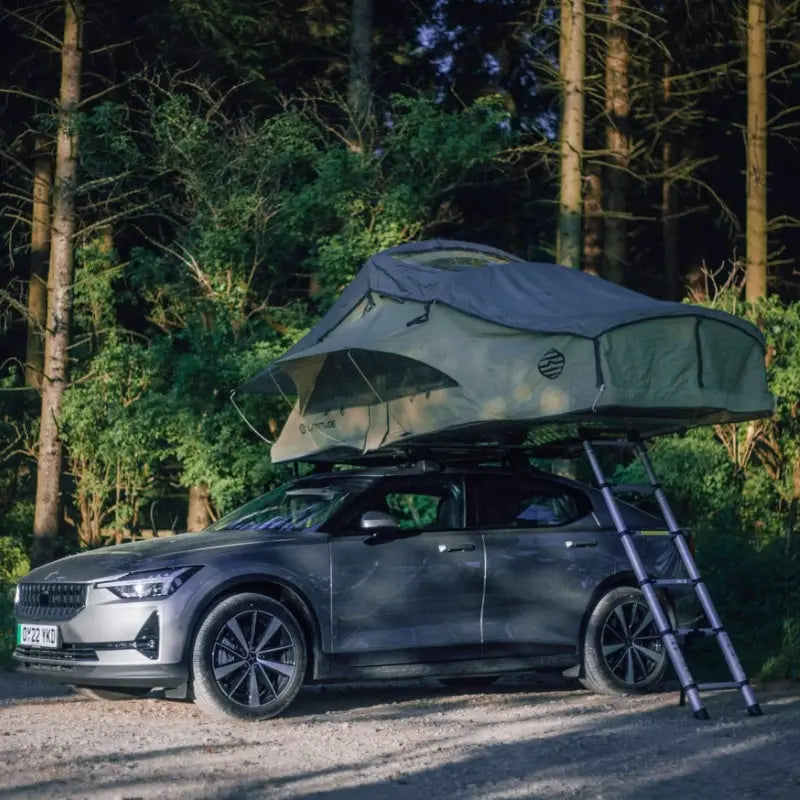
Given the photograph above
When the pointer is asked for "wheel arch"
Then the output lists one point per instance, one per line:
(618, 579)
(269, 586)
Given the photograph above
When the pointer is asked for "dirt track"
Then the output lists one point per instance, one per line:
(527, 738)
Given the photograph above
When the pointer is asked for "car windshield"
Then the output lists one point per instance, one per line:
(300, 505)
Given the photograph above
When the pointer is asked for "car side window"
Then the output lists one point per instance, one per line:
(414, 511)
(434, 505)
(508, 502)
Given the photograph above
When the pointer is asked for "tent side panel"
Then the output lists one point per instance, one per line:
(733, 363)
(685, 367)
(651, 364)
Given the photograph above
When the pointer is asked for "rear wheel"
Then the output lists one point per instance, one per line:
(623, 652)
(249, 658)
(111, 692)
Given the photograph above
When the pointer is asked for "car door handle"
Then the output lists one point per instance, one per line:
(587, 543)
(456, 548)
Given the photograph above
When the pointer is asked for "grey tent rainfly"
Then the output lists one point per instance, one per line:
(452, 341)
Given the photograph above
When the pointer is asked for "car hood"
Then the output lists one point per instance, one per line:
(187, 549)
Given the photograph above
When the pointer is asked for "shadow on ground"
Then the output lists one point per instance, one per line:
(528, 737)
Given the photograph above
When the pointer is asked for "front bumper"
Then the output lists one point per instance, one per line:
(166, 676)
(109, 642)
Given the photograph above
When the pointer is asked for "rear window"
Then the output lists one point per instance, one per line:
(503, 501)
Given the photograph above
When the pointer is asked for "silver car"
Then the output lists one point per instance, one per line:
(462, 573)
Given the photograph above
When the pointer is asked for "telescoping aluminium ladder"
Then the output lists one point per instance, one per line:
(690, 690)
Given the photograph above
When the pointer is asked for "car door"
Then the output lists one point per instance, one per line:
(544, 557)
(413, 593)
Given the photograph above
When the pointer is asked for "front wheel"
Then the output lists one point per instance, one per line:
(623, 652)
(249, 658)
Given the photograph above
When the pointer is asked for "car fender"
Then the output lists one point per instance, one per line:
(278, 584)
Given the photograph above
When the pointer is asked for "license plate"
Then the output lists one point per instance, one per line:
(37, 635)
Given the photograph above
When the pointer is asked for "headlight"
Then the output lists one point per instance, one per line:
(144, 585)
(16, 596)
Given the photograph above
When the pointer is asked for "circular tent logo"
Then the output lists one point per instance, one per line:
(551, 364)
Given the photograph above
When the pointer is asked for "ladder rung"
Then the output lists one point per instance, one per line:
(612, 443)
(633, 488)
(671, 581)
(695, 632)
(710, 687)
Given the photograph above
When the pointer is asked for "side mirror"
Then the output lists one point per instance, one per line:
(375, 521)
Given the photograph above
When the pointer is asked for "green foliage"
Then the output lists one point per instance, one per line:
(108, 145)
(786, 664)
(7, 624)
(203, 429)
(696, 473)
(17, 523)
(96, 279)
(13, 565)
(413, 512)
(360, 203)
(112, 424)
(13, 560)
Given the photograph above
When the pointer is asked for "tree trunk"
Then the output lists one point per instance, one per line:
(40, 247)
(756, 282)
(593, 220)
(572, 66)
(669, 221)
(59, 289)
(359, 87)
(617, 141)
(198, 518)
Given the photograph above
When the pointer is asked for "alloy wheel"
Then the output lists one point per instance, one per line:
(630, 643)
(253, 658)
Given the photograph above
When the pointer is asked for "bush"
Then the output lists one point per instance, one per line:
(7, 626)
(13, 565)
(787, 663)
(17, 524)
(13, 560)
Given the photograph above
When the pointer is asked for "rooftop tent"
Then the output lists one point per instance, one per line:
(444, 341)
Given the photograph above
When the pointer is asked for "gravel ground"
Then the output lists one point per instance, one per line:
(528, 737)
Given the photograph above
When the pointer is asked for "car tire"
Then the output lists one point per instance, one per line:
(111, 693)
(248, 659)
(623, 652)
(469, 682)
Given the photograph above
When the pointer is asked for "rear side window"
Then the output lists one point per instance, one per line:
(503, 501)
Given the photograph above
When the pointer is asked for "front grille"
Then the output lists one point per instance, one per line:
(50, 600)
(66, 652)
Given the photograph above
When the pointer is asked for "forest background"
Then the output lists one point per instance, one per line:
(187, 185)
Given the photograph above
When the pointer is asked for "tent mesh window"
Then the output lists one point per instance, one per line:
(451, 259)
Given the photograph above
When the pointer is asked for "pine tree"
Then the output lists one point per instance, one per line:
(59, 288)
(40, 252)
(756, 283)
(572, 66)
(618, 141)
